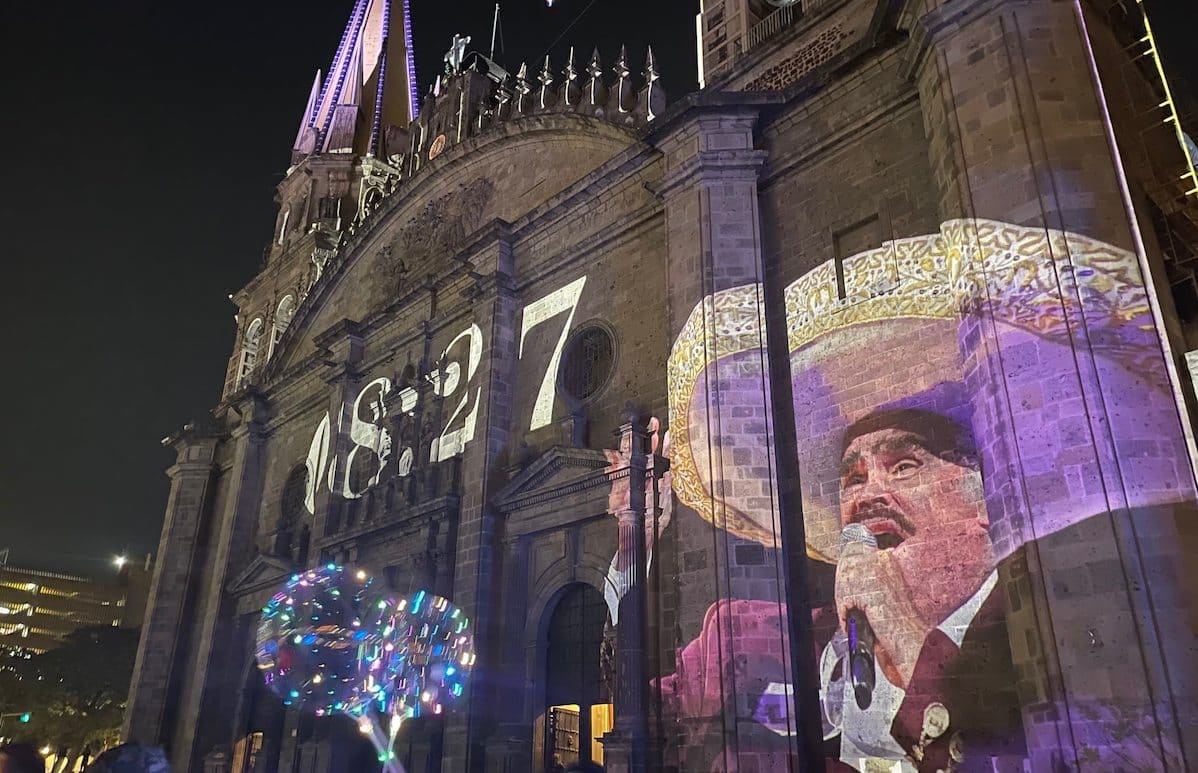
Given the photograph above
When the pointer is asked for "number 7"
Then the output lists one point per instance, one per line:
(562, 299)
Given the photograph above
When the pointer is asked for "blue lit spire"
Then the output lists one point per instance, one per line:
(369, 86)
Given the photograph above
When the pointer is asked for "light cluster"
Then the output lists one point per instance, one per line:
(330, 645)
(436, 650)
(312, 640)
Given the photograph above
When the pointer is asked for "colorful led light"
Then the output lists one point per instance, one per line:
(310, 640)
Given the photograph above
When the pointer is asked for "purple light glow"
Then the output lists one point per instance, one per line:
(357, 21)
(413, 102)
(373, 146)
(324, 87)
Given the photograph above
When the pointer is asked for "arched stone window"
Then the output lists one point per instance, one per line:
(249, 352)
(284, 216)
(291, 531)
(283, 316)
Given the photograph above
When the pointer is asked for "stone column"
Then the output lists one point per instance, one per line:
(208, 703)
(1100, 627)
(624, 748)
(475, 589)
(156, 672)
(713, 229)
(512, 743)
(344, 350)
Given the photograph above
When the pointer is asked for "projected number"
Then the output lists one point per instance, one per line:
(318, 459)
(564, 299)
(372, 445)
(372, 442)
(468, 345)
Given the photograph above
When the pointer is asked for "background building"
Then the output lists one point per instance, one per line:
(38, 609)
(872, 338)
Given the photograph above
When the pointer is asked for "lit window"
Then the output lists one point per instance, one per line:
(249, 352)
(283, 317)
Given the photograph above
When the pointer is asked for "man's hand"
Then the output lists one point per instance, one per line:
(872, 581)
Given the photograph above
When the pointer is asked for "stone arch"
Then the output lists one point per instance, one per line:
(555, 580)
(549, 590)
(283, 315)
(464, 161)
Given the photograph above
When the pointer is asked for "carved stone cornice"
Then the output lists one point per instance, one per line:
(405, 519)
(535, 484)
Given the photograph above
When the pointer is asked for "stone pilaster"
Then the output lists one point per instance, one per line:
(344, 349)
(1017, 133)
(289, 744)
(710, 190)
(208, 705)
(479, 531)
(157, 671)
(511, 747)
(625, 746)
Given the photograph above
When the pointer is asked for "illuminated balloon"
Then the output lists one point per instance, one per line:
(382, 659)
(433, 657)
(312, 638)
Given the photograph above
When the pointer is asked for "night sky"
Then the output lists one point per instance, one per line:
(142, 141)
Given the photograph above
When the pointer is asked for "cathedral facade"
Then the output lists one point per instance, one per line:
(832, 417)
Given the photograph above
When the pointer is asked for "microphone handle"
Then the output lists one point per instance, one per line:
(861, 658)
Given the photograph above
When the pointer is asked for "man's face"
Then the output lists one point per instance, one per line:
(930, 511)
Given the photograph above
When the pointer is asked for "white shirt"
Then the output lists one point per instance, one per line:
(865, 735)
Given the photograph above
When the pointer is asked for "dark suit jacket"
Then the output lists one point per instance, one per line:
(976, 684)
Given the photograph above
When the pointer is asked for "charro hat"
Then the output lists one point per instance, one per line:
(894, 338)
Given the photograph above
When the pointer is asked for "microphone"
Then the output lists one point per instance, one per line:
(862, 674)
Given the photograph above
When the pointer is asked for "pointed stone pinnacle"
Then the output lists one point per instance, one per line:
(621, 69)
(570, 72)
(595, 68)
(651, 74)
(546, 76)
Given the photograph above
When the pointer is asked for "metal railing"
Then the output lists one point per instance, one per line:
(780, 20)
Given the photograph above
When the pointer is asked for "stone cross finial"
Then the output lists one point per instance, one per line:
(623, 84)
(571, 72)
(651, 73)
(546, 79)
(570, 89)
(595, 93)
(652, 100)
(523, 88)
(456, 55)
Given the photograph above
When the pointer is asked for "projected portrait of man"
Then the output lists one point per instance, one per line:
(912, 479)
(930, 452)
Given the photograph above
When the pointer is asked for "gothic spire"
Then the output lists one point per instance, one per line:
(373, 73)
(340, 132)
(305, 138)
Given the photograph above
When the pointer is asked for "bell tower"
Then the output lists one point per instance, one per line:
(726, 28)
(356, 118)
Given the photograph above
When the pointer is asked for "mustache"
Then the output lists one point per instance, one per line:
(871, 510)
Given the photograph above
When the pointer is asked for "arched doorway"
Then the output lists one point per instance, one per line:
(578, 710)
(256, 745)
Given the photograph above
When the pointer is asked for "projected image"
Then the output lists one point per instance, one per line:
(372, 452)
(371, 446)
(914, 661)
(941, 417)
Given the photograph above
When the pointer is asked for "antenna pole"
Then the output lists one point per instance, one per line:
(494, 31)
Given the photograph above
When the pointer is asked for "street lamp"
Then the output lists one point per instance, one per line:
(119, 562)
